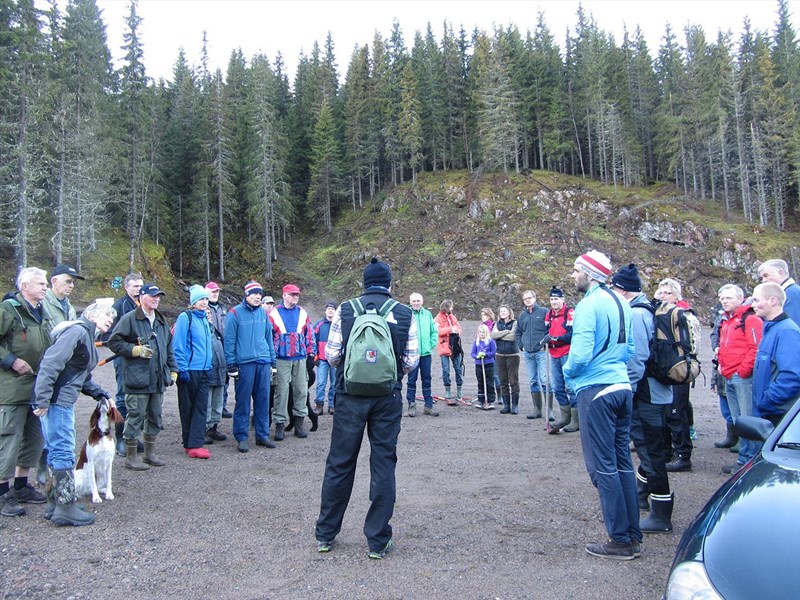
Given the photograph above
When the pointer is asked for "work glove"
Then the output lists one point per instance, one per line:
(142, 351)
(233, 371)
(183, 376)
(174, 375)
(481, 354)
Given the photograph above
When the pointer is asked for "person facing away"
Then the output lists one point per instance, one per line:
(602, 344)
(381, 415)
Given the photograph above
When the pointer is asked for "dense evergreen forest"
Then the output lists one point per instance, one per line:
(209, 162)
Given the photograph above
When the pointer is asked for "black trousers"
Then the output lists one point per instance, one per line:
(193, 408)
(485, 388)
(647, 432)
(381, 417)
(677, 431)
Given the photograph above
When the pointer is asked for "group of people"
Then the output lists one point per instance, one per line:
(593, 358)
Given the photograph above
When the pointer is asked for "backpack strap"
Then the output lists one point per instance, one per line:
(621, 339)
(358, 308)
(387, 307)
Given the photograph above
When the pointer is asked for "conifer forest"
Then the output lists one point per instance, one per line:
(254, 155)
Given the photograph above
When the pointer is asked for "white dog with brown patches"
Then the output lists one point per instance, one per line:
(93, 472)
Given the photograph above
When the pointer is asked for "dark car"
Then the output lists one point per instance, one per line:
(745, 543)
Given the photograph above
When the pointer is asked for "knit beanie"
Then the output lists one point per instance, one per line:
(595, 264)
(197, 293)
(556, 292)
(253, 287)
(627, 279)
(377, 274)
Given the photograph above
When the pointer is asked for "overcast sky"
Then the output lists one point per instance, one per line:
(292, 26)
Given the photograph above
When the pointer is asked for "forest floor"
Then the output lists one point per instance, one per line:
(488, 506)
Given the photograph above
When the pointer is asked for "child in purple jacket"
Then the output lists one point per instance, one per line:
(483, 351)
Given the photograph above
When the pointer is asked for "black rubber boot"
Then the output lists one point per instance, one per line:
(660, 518)
(41, 469)
(67, 511)
(730, 437)
(514, 404)
(299, 427)
(280, 431)
(506, 406)
(121, 451)
(642, 491)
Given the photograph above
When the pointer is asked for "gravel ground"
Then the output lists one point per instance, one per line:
(488, 506)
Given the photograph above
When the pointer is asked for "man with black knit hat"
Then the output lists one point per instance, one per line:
(651, 403)
(380, 414)
(559, 335)
(602, 344)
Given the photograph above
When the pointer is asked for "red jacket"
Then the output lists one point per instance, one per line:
(738, 345)
(445, 323)
(559, 325)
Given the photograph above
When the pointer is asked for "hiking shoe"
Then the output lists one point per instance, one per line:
(490, 406)
(9, 507)
(611, 549)
(637, 548)
(430, 411)
(280, 431)
(30, 495)
(731, 469)
(198, 453)
(226, 414)
(215, 434)
(265, 442)
(412, 409)
(379, 554)
(679, 465)
(330, 410)
(242, 446)
(324, 546)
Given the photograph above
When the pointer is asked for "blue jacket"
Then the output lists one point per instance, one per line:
(792, 305)
(191, 341)
(595, 357)
(776, 376)
(248, 336)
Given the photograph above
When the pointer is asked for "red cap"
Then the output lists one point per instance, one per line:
(291, 288)
(211, 286)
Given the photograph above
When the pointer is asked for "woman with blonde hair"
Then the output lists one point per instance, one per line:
(507, 359)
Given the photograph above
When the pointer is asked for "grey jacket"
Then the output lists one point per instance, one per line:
(531, 328)
(66, 367)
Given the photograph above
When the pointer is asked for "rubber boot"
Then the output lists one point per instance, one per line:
(574, 424)
(280, 431)
(299, 427)
(67, 511)
(50, 492)
(642, 491)
(459, 395)
(498, 394)
(566, 418)
(447, 395)
(41, 469)
(121, 450)
(735, 447)
(660, 518)
(150, 457)
(132, 460)
(506, 406)
(536, 413)
(730, 437)
(514, 404)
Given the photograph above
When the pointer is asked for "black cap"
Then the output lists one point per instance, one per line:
(150, 289)
(377, 273)
(330, 304)
(556, 292)
(66, 270)
(627, 279)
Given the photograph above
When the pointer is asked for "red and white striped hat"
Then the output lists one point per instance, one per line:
(595, 264)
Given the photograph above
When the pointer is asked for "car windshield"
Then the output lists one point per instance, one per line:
(790, 438)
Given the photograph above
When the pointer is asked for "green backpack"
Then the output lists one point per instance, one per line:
(370, 365)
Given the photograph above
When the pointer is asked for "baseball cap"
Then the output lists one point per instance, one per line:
(66, 270)
(151, 289)
(291, 288)
(268, 300)
(212, 286)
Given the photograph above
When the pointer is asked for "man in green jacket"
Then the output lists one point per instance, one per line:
(428, 336)
(56, 300)
(24, 336)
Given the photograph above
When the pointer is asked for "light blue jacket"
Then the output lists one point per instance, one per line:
(595, 356)
(192, 349)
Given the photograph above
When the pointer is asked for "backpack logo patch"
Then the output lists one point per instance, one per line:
(371, 356)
